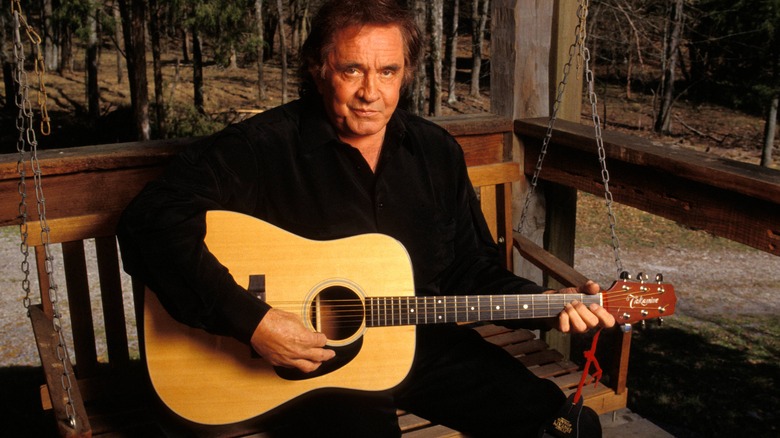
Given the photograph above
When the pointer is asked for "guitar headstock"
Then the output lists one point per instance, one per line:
(631, 301)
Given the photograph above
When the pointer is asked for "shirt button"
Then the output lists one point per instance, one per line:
(381, 205)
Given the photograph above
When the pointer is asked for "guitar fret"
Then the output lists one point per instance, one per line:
(406, 310)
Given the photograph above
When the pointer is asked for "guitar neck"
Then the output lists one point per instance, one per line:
(396, 311)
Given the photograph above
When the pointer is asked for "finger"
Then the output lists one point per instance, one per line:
(606, 319)
(589, 288)
(563, 322)
(576, 324)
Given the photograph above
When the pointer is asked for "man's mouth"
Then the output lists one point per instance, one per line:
(362, 112)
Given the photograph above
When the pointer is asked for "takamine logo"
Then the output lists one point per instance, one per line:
(639, 301)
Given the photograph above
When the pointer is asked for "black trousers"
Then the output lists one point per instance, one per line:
(458, 380)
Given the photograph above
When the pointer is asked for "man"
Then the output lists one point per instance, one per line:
(344, 160)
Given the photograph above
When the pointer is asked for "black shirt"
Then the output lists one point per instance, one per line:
(288, 167)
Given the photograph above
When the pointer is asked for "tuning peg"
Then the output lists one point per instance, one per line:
(642, 277)
(659, 278)
(625, 275)
(626, 328)
(660, 322)
(644, 324)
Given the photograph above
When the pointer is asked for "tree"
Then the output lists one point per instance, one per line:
(451, 55)
(51, 50)
(93, 89)
(770, 128)
(133, 14)
(260, 50)
(282, 49)
(673, 35)
(479, 18)
(159, 98)
(420, 8)
(7, 63)
(736, 57)
(436, 31)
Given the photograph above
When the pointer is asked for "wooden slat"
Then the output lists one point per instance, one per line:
(113, 304)
(494, 173)
(75, 228)
(512, 337)
(47, 341)
(555, 369)
(77, 285)
(487, 201)
(540, 358)
(547, 263)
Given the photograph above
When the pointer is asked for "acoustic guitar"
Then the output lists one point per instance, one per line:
(359, 291)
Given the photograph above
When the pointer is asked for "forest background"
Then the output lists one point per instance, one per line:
(651, 54)
(699, 74)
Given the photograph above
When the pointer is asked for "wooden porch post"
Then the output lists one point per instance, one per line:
(519, 88)
(530, 45)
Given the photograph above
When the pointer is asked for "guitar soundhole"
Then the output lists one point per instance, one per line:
(338, 312)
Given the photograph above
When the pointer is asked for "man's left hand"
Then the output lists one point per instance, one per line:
(576, 317)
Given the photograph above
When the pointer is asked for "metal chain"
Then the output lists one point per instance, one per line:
(27, 137)
(582, 54)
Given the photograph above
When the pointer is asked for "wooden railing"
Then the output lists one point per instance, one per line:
(730, 199)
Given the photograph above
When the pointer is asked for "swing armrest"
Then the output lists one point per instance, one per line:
(47, 340)
(614, 354)
(548, 263)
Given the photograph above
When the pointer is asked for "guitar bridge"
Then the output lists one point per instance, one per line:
(257, 286)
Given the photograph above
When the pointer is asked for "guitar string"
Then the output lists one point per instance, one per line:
(563, 298)
(345, 314)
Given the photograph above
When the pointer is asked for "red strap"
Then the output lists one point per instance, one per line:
(590, 357)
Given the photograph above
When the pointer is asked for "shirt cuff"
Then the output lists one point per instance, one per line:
(241, 313)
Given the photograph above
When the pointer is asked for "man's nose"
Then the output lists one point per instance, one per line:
(369, 91)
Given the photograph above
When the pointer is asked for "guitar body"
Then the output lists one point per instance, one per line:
(213, 379)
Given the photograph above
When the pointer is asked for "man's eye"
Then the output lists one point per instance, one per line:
(351, 71)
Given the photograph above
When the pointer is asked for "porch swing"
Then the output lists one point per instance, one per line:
(98, 398)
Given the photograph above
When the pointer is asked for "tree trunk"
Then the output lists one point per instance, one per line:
(452, 52)
(159, 98)
(197, 71)
(133, 19)
(770, 128)
(282, 49)
(93, 90)
(50, 49)
(420, 77)
(478, 21)
(437, 30)
(663, 121)
(118, 38)
(65, 51)
(7, 66)
(260, 50)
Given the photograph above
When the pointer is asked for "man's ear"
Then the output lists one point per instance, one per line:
(316, 74)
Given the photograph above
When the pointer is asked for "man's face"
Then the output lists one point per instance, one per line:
(362, 80)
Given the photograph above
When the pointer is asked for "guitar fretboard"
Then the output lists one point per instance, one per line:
(395, 311)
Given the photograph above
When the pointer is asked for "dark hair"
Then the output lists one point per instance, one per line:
(336, 15)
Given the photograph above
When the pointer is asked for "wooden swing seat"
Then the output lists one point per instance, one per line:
(112, 396)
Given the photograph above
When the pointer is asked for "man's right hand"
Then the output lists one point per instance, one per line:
(282, 340)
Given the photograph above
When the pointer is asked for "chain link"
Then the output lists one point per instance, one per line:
(27, 137)
(582, 54)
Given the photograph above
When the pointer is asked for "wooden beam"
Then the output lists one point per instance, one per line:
(734, 200)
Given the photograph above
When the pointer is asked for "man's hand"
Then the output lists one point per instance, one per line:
(283, 340)
(576, 317)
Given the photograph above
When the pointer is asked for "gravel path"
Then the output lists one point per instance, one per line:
(706, 282)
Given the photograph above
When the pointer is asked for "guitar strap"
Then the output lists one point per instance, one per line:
(574, 420)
